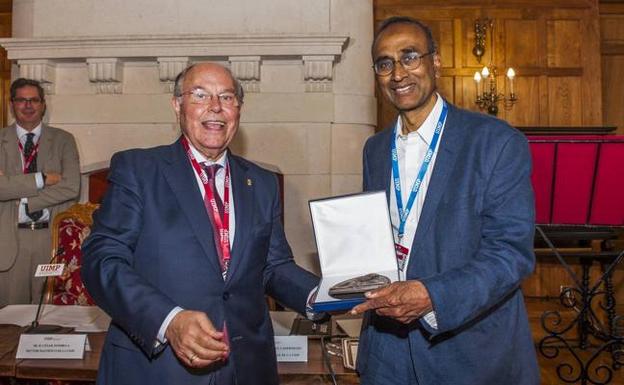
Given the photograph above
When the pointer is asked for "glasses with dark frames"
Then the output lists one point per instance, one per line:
(409, 60)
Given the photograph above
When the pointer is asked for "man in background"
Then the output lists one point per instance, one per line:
(184, 247)
(39, 177)
(462, 210)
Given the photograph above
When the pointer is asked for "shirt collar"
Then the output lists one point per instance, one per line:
(21, 132)
(427, 129)
(202, 159)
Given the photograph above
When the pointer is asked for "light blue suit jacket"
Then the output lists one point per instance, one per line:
(152, 248)
(472, 249)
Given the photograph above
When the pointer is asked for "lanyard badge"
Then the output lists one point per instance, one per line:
(222, 224)
(402, 252)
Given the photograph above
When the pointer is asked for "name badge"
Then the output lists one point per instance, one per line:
(50, 270)
(401, 254)
(46, 346)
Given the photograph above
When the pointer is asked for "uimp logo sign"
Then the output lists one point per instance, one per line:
(50, 270)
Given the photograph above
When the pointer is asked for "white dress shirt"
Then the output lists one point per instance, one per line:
(21, 135)
(411, 150)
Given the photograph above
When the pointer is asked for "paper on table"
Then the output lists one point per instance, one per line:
(88, 318)
(282, 322)
(82, 318)
(351, 326)
(21, 315)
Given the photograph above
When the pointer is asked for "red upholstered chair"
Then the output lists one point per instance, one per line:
(69, 230)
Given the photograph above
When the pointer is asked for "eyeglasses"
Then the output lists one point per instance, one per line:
(409, 60)
(32, 101)
(199, 96)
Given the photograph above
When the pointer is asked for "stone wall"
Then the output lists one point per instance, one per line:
(108, 67)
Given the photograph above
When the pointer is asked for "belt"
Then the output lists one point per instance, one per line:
(33, 225)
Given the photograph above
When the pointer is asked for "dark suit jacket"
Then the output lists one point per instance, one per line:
(152, 248)
(473, 247)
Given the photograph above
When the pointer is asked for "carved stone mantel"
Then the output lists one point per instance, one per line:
(106, 55)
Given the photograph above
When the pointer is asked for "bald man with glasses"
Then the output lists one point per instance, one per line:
(185, 246)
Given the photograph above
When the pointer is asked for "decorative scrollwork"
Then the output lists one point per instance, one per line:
(574, 369)
(587, 338)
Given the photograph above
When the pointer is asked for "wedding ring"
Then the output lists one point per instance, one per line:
(192, 358)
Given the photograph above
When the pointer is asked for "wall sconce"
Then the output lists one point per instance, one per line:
(486, 81)
(480, 33)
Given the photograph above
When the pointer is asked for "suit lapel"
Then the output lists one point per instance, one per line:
(445, 161)
(242, 194)
(9, 144)
(180, 177)
(45, 147)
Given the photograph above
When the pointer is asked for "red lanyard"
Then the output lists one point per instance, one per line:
(32, 156)
(222, 224)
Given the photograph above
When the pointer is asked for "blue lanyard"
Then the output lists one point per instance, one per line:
(404, 213)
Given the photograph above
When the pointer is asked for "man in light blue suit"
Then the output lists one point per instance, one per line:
(462, 209)
(184, 247)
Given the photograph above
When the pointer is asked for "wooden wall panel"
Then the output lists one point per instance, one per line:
(548, 278)
(613, 91)
(526, 112)
(612, 26)
(521, 49)
(564, 43)
(565, 107)
(467, 93)
(553, 46)
(443, 32)
(612, 49)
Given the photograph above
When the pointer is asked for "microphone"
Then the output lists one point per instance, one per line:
(35, 327)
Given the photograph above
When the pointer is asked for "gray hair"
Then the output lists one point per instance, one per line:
(179, 80)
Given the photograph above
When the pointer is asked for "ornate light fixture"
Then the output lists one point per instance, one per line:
(480, 33)
(486, 81)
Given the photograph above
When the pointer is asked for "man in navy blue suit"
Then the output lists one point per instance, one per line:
(184, 247)
(461, 204)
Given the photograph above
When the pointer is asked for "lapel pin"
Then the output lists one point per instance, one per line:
(249, 183)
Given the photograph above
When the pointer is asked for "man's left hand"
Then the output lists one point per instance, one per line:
(404, 301)
(52, 178)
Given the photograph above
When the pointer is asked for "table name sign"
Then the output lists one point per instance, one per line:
(291, 348)
(50, 270)
(51, 346)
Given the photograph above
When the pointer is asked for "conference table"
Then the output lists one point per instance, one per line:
(311, 372)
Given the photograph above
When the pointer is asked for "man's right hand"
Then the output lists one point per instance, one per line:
(195, 340)
(52, 178)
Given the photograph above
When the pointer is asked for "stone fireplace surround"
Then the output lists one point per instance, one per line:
(108, 68)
